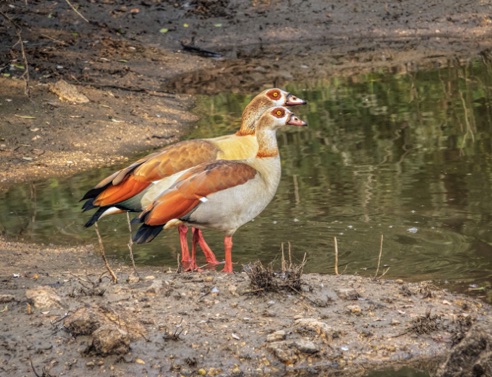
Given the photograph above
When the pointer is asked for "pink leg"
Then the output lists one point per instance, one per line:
(186, 260)
(209, 254)
(228, 254)
(193, 265)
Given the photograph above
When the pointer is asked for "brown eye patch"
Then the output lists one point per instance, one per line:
(273, 94)
(278, 112)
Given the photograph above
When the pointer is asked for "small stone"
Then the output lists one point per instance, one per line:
(88, 318)
(6, 298)
(43, 297)
(306, 346)
(354, 309)
(155, 287)
(347, 293)
(109, 340)
(284, 351)
(276, 336)
(84, 321)
(67, 92)
(311, 324)
(133, 278)
(232, 290)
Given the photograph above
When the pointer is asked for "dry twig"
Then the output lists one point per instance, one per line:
(335, 242)
(103, 254)
(380, 255)
(379, 261)
(130, 243)
(76, 11)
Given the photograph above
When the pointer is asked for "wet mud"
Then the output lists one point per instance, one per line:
(75, 321)
(132, 70)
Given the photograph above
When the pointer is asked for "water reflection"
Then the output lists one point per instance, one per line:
(404, 156)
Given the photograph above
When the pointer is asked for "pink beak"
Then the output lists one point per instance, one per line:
(292, 100)
(295, 121)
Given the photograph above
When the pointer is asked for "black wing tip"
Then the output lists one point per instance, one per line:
(90, 223)
(95, 217)
(146, 233)
(88, 205)
(93, 193)
(136, 220)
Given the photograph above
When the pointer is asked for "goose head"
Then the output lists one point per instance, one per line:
(262, 102)
(271, 120)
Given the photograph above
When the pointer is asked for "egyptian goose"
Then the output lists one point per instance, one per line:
(223, 194)
(136, 186)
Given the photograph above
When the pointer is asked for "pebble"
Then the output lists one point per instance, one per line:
(306, 346)
(276, 336)
(354, 309)
(109, 340)
(6, 298)
(311, 324)
(43, 297)
(155, 287)
(347, 293)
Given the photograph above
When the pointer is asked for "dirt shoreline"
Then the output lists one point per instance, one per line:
(215, 324)
(59, 318)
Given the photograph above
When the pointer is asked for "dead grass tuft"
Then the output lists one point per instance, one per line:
(426, 324)
(266, 279)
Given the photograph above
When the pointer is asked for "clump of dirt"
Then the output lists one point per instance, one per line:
(471, 357)
(210, 323)
(426, 324)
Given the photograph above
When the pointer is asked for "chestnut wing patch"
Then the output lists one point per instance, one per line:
(176, 158)
(196, 184)
(217, 176)
(131, 180)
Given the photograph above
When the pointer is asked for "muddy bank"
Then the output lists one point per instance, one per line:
(136, 62)
(74, 321)
(132, 64)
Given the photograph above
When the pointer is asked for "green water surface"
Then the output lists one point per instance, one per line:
(404, 156)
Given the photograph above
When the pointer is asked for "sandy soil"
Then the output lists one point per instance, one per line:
(135, 64)
(74, 321)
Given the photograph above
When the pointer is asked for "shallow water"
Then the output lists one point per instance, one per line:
(404, 156)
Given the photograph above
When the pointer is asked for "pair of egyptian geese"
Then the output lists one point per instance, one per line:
(219, 183)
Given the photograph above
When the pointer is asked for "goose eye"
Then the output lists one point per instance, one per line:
(273, 94)
(279, 113)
